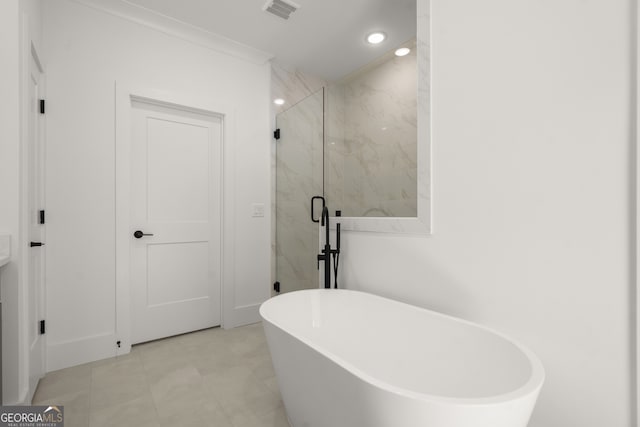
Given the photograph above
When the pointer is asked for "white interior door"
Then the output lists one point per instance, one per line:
(175, 202)
(35, 203)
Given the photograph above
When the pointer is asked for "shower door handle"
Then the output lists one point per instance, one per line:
(312, 204)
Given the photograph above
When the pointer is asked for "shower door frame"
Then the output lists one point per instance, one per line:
(274, 263)
(635, 217)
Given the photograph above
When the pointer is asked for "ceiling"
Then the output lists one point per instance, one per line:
(324, 37)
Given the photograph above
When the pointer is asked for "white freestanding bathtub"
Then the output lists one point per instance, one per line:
(351, 359)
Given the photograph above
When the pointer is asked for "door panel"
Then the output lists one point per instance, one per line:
(192, 257)
(35, 189)
(178, 174)
(175, 190)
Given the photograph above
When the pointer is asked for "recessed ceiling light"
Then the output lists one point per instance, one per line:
(377, 37)
(403, 51)
(278, 101)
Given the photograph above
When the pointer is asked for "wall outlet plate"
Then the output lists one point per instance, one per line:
(258, 210)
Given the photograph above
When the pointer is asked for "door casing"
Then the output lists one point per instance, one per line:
(35, 187)
(125, 92)
(26, 380)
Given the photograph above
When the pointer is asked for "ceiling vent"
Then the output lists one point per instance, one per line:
(280, 8)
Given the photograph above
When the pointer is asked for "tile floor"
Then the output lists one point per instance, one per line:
(215, 377)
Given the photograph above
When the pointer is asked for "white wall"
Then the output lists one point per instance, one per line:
(531, 195)
(87, 51)
(20, 27)
(9, 188)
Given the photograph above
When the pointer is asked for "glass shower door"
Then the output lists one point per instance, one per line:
(299, 176)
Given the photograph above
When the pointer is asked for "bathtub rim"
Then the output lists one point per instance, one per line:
(531, 386)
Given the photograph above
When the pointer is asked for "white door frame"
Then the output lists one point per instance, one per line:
(635, 216)
(124, 93)
(41, 184)
(22, 389)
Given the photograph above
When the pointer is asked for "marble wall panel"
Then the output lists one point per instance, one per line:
(372, 120)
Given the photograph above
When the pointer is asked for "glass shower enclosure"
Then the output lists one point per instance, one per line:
(299, 176)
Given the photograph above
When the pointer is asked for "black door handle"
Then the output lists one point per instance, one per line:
(138, 234)
(323, 205)
(35, 244)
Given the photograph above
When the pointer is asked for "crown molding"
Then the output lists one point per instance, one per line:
(176, 28)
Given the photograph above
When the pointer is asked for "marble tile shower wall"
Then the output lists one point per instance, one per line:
(292, 85)
(336, 152)
(372, 134)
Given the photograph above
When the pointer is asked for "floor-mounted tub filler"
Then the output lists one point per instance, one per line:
(351, 359)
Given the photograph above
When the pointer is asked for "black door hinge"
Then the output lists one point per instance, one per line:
(43, 329)
(41, 217)
(276, 286)
(42, 106)
(276, 134)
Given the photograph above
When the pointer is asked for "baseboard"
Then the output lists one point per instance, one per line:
(25, 400)
(244, 315)
(77, 352)
(31, 392)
